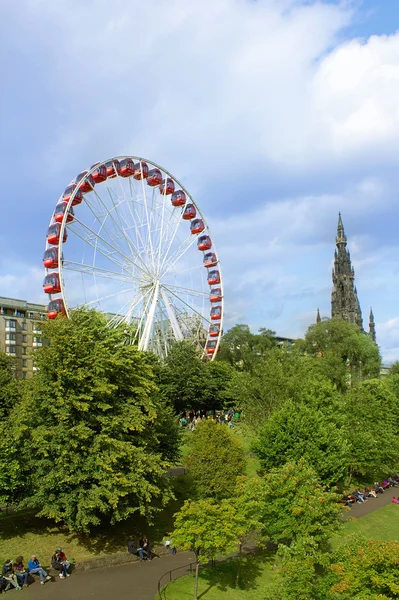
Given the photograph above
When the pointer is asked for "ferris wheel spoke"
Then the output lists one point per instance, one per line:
(172, 317)
(144, 317)
(95, 235)
(106, 253)
(188, 242)
(188, 305)
(98, 271)
(109, 214)
(148, 223)
(174, 234)
(180, 288)
(125, 291)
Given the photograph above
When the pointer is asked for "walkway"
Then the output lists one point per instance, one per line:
(132, 581)
(372, 504)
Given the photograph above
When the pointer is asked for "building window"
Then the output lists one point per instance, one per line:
(11, 336)
(23, 374)
(23, 350)
(11, 350)
(42, 317)
(37, 340)
(24, 338)
(18, 313)
(11, 323)
(24, 362)
(31, 315)
(23, 325)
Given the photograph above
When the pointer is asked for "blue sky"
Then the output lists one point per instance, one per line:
(276, 114)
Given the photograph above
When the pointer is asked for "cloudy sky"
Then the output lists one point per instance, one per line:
(276, 114)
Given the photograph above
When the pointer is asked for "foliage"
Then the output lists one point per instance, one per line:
(11, 471)
(297, 431)
(242, 349)
(366, 570)
(190, 384)
(372, 413)
(88, 427)
(281, 375)
(290, 503)
(394, 370)
(215, 458)
(346, 354)
(296, 576)
(206, 528)
(9, 386)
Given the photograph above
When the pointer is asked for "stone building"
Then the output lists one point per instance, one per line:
(20, 332)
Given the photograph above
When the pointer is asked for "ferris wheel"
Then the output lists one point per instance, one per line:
(126, 238)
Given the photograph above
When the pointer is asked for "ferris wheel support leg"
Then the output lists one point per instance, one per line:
(145, 339)
(172, 317)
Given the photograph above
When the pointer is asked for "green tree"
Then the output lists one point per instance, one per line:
(299, 430)
(207, 529)
(242, 349)
(290, 503)
(372, 423)
(346, 354)
(90, 426)
(394, 370)
(366, 570)
(281, 375)
(215, 459)
(9, 386)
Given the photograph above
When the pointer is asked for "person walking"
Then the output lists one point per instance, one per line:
(35, 568)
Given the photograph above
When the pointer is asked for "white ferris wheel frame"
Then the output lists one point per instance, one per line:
(159, 291)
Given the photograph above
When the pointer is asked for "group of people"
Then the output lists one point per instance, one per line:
(144, 549)
(359, 496)
(191, 419)
(16, 576)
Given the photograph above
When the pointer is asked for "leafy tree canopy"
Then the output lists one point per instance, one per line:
(191, 384)
(215, 459)
(241, 349)
(346, 353)
(301, 431)
(9, 386)
(91, 427)
(290, 503)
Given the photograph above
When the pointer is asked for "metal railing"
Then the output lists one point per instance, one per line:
(171, 576)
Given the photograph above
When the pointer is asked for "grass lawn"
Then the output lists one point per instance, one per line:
(382, 524)
(24, 533)
(219, 583)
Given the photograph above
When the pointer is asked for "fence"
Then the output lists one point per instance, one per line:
(171, 575)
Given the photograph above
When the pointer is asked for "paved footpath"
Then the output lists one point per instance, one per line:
(139, 581)
(132, 581)
(372, 504)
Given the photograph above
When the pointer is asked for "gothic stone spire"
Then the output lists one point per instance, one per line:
(372, 326)
(318, 318)
(344, 299)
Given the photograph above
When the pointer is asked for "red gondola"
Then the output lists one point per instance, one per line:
(178, 198)
(211, 346)
(216, 313)
(140, 170)
(55, 308)
(214, 330)
(189, 212)
(127, 167)
(60, 210)
(68, 193)
(215, 295)
(50, 258)
(204, 243)
(113, 168)
(213, 277)
(87, 185)
(197, 226)
(100, 174)
(51, 284)
(53, 234)
(167, 186)
(210, 259)
(154, 177)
